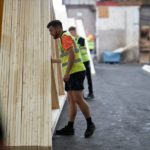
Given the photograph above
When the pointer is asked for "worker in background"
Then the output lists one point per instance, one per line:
(80, 41)
(73, 75)
(91, 43)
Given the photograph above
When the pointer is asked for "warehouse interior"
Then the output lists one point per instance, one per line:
(33, 100)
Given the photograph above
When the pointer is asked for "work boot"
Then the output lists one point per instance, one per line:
(89, 131)
(65, 131)
(90, 96)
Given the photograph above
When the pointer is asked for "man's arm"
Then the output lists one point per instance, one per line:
(70, 63)
(68, 46)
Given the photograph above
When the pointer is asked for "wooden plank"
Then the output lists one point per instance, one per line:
(1, 68)
(46, 99)
(19, 79)
(1, 17)
(60, 79)
(42, 74)
(12, 83)
(55, 100)
(24, 85)
(2, 47)
(37, 61)
(57, 112)
(26, 64)
(25, 76)
(13, 76)
(6, 66)
(50, 12)
(35, 94)
(47, 78)
(28, 148)
(144, 57)
(31, 76)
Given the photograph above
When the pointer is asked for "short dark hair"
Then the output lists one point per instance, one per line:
(54, 23)
(72, 28)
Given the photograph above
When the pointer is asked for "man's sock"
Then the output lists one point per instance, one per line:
(70, 124)
(89, 121)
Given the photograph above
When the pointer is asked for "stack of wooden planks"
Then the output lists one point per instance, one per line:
(1, 16)
(29, 85)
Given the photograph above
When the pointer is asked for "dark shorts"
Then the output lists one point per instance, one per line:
(75, 82)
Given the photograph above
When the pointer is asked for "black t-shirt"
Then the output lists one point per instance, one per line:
(81, 41)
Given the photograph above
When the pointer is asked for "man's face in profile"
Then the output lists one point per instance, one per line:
(54, 31)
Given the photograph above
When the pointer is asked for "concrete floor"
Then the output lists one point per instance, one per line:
(121, 112)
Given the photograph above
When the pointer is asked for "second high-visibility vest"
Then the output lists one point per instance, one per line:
(78, 64)
(91, 44)
(83, 51)
(90, 40)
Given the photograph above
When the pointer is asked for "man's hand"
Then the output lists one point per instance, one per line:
(66, 77)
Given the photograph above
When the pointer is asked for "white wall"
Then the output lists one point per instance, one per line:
(132, 24)
(132, 33)
(116, 19)
(121, 28)
(60, 13)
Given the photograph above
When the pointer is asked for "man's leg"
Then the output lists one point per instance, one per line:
(89, 79)
(72, 107)
(72, 111)
(78, 97)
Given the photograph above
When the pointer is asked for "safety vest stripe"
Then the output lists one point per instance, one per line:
(76, 61)
(65, 54)
(82, 47)
(84, 53)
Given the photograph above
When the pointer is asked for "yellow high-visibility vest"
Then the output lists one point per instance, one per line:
(83, 51)
(90, 40)
(78, 64)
